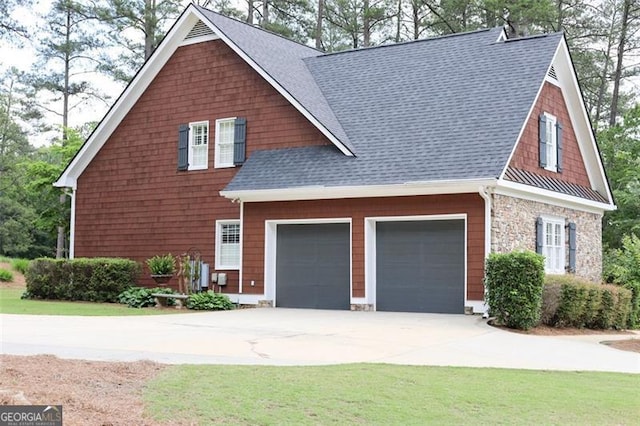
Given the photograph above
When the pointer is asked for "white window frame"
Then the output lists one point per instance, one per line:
(219, 234)
(554, 252)
(192, 135)
(217, 163)
(552, 142)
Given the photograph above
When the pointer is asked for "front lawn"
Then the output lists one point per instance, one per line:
(388, 395)
(10, 303)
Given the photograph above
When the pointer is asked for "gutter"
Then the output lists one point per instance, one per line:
(485, 193)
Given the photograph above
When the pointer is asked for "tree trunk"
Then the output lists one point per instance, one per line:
(319, 18)
(366, 30)
(613, 114)
(250, 12)
(265, 13)
(149, 27)
(415, 11)
(604, 80)
(399, 21)
(67, 66)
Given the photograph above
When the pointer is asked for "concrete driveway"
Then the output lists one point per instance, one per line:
(307, 337)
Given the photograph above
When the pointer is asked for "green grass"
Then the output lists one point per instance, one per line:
(20, 265)
(390, 395)
(10, 303)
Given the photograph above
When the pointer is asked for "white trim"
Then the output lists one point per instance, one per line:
(533, 193)
(478, 306)
(218, 242)
(72, 225)
(552, 144)
(241, 247)
(334, 192)
(216, 155)
(370, 248)
(190, 147)
(271, 247)
(245, 299)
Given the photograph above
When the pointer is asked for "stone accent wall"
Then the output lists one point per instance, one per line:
(513, 227)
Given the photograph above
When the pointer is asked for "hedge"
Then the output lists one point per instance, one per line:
(86, 279)
(514, 283)
(569, 301)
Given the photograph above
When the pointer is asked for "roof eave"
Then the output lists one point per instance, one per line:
(321, 192)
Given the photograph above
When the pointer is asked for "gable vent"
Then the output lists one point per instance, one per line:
(552, 73)
(199, 30)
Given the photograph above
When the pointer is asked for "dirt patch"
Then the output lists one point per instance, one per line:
(631, 345)
(18, 278)
(90, 392)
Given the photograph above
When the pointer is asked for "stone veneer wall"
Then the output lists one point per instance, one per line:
(513, 227)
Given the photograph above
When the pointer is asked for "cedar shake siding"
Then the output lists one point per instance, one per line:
(526, 155)
(131, 201)
(255, 215)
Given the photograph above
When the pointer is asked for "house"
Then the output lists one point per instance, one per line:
(373, 179)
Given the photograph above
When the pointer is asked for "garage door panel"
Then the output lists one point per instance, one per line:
(313, 266)
(420, 266)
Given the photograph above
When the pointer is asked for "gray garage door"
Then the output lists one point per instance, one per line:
(420, 266)
(313, 266)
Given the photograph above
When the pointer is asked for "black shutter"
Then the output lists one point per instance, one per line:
(559, 146)
(183, 147)
(542, 140)
(239, 141)
(539, 235)
(572, 247)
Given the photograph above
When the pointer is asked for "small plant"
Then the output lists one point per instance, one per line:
(209, 301)
(141, 297)
(20, 265)
(162, 264)
(6, 275)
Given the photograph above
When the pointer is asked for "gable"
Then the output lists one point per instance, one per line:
(526, 154)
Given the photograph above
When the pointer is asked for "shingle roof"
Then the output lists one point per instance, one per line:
(449, 108)
(282, 59)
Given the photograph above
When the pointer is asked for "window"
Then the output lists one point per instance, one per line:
(553, 245)
(228, 244)
(552, 143)
(225, 133)
(198, 145)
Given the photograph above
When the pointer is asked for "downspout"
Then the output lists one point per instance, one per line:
(486, 195)
(241, 245)
(72, 222)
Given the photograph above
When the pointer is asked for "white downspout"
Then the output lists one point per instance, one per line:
(486, 195)
(72, 224)
(241, 244)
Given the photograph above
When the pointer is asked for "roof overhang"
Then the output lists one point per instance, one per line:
(528, 192)
(337, 192)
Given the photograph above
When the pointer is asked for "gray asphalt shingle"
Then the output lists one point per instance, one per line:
(448, 108)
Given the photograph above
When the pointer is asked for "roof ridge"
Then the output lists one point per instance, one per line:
(402, 43)
(533, 36)
(255, 27)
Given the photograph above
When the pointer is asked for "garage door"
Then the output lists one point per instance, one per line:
(420, 266)
(313, 266)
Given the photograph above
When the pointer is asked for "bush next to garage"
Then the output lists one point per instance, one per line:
(568, 301)
(91, 280)
(514, 283)
(622, 267)
(142, 297)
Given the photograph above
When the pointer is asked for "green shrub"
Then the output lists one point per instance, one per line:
(622, 267)
(6, 275)
(20, 265)
(569, 301)
(91, 280)
(141, 297)
(209, 301)
(514, 284)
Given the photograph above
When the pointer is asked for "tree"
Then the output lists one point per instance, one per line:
(9, 26)
(620, 147)
(362, 22)
(136, 28)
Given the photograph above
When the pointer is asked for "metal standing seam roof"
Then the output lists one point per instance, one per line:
(448, 108)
